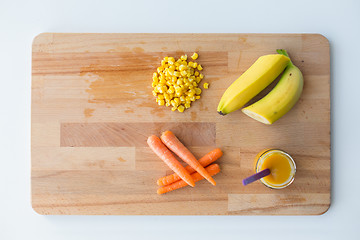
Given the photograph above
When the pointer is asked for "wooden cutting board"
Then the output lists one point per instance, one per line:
(92, 111)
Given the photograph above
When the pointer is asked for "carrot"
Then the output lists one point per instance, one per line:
(171, 141)
(164, 154)
(206, 160)
(212, 170)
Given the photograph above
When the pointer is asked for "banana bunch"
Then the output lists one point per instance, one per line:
(264, 71)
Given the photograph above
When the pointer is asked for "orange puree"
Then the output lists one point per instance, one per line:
(281, 165)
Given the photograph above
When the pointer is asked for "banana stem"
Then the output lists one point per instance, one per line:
(283, 52)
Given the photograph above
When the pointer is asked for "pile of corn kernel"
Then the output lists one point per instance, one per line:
(176, 82)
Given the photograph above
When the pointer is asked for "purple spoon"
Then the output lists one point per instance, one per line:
(256, 176)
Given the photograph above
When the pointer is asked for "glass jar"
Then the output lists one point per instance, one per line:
(282, 167)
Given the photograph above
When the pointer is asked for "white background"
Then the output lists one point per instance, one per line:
(20, 21)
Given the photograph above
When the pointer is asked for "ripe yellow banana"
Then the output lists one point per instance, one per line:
(252, 81)
(280, 99)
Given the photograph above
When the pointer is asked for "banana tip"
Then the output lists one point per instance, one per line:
(221, 113)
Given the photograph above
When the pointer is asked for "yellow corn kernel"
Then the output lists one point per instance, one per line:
(194, 84)
(191, 79)
(190, 95)
(182, 67)
(201, 76)
(197, 73)
(191, 71)
(195, 64)
(170, 90)
(178, 94)
(181, 108)
(183, 73)
(195, 56)
(184, 63)
(197, 80)
(171, 59)
(154, 93)
(177, 64)
(177, 101)
(171, 95)
(161, 102)
(160, 96)
(160, 69)
(173, 109)
(179, 82)
(166, 59)
(172, 68)
(177, 74)
(197, 97)
(199, 67)
(197, 91)
(190, 64)
(182, 99)
(187, 105)
(173, 103)
(155, 74)
(183, 57)
(206, 85)
(163, 63)
(167, 104)
(192, 98)
(166, 96)
(153, 84)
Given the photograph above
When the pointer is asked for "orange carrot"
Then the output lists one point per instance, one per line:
(171, 141)
(206, 160)
(164, 154)
(212, 170)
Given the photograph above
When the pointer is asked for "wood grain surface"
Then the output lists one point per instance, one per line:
(92, 110)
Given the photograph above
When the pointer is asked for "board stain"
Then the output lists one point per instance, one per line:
(121, 159)
(88, 112)
(156, 111)
(138, 50)
(105, 85)
(193, 116)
